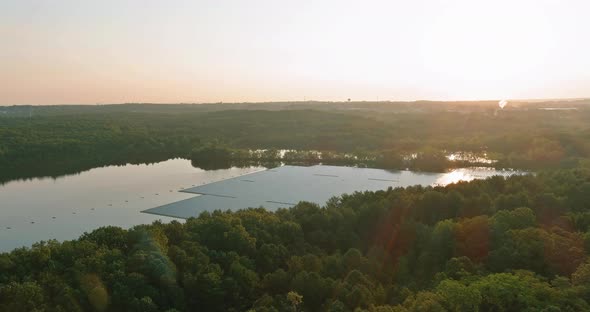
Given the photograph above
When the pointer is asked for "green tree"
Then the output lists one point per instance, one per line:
(22, 297)
(458, 297)
(295, 299)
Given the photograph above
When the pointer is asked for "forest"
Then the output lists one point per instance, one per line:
(520, 243)
(60, 140)
(501, 244)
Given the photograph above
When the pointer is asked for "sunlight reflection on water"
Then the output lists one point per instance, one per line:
(469, 174)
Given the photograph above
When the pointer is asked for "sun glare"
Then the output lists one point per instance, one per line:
(328, 50)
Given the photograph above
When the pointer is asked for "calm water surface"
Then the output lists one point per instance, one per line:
(66, 207)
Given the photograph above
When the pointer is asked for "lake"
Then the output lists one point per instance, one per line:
(66, 207)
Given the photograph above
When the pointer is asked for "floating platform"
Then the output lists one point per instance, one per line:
(284, 187)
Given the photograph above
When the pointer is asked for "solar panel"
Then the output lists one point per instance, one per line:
(279, 187)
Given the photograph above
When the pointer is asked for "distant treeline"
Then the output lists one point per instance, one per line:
(515, 244)
(74, 140)
(356, 106)
(218, 156)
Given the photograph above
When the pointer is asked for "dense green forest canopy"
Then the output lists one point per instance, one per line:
(515, 244)
(55, 140)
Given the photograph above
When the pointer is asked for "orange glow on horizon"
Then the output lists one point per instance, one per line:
(70, 52)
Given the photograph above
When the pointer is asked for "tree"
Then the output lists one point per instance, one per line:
(25, 297)
(424, 301)
(295, 299)
(457, 297)
(581, 277)
(473, 238)
(513, 292)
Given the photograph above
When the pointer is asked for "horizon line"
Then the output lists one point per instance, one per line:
(308, 101)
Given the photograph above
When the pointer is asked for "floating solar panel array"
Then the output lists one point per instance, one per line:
(283, 187)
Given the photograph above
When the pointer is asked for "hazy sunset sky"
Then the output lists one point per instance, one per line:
(87, 52)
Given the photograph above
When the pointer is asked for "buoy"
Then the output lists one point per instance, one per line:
(32, 222)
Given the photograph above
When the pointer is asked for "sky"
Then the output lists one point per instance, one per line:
(118, 51)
